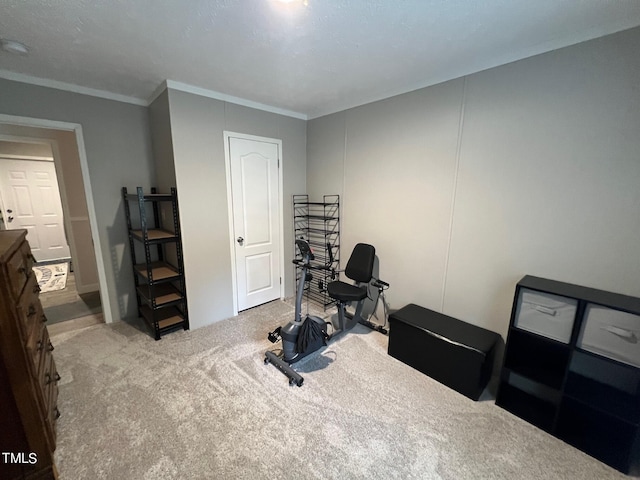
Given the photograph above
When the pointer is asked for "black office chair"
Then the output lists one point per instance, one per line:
(360, 270)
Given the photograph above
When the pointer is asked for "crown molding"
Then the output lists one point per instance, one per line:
(172, 84)
(70, 87)
(183, 87)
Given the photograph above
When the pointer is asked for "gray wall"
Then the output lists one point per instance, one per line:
(118, 147)
(197, 124)
(466, 186)
(162, 143)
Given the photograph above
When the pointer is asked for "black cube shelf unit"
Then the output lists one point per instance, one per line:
(572, 368)
(319, 224)
(160, 284)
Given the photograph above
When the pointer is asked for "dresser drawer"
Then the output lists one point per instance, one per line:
(48, 375)
(29, 308)
(53, 412)
(38, 345)
(20, 266)
(51, 399)
(47, 382)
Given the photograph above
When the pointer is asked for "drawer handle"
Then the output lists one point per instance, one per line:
(50, 348)
(39, 345)
(623, 333)
(32, 311)
(51, 380)
(545, 310)
(57, 413)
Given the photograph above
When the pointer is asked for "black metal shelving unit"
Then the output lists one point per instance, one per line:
(159, 279)
(319, 223)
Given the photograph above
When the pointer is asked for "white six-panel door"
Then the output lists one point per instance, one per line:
(255, 197)
(31, 200)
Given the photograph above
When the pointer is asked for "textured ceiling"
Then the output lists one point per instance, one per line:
(315, 59)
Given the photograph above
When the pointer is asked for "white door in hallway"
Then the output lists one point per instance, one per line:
(254, 171)
(31, 200)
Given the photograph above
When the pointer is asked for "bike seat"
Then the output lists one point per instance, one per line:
(346, 292)
(359, 268)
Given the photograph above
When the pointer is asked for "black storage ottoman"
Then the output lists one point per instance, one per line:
(455, 353)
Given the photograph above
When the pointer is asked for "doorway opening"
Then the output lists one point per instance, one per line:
(44, 166)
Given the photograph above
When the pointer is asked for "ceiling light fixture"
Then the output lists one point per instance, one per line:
(11, 46)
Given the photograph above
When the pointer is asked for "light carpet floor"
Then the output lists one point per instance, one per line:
(203, 405)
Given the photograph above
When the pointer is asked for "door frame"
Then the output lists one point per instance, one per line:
(232, 243)
(76, 128)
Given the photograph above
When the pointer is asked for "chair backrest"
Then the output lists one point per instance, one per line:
(360, 264)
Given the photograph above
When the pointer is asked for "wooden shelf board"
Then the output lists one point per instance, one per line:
(159, 271)
(154, 234)
(163, 293)
(165, 317)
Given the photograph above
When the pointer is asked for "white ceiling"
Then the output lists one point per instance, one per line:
(305, 60)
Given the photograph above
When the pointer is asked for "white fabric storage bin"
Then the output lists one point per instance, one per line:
(611, 333)
(551, 316)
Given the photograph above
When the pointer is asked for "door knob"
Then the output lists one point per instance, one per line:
(10, 219)
(9, 210)
(240, 240)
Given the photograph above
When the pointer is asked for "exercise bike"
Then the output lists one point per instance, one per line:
(300, 337)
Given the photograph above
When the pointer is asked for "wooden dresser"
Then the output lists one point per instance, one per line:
(28, 375)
